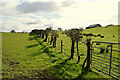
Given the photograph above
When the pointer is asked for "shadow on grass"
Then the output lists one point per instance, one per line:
(34, 45)
(40, 42)
(31, 38)
(44, 49)
(89, 75)
(60, 69)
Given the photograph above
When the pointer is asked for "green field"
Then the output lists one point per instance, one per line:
(25, 56)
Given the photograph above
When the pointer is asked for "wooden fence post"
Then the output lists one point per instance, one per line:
(61, 46)
(88, 55)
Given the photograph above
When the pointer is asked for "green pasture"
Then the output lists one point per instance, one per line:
(25, 56)
(110, 34)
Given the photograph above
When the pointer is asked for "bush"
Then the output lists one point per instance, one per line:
(13, 31)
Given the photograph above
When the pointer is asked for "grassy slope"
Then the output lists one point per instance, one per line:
(106, 32)
(25, 56)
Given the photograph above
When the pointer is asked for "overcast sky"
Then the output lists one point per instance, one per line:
(25, 15)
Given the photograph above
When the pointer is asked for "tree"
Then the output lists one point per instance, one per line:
(47, 31)
(59, 29)
(13, 31)
(75, 35)
(54, 36)
(42, 34)
(51, 38)
(37, 32)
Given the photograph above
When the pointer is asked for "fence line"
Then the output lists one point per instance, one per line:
(95, 59)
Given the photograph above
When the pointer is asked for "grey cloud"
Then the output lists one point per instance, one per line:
(66, 4)
(28, 7)
(30, 23)
(33, 22)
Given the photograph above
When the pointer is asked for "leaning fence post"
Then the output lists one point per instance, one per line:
(110, 60)
(61, 46)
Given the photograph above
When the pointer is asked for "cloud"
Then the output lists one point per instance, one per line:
(49, 7)
(22, 22)
(31, 15)
(9, 8)
(83, 14)
(28, 7)
(30, 23)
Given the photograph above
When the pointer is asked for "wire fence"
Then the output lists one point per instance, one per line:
(103, 59)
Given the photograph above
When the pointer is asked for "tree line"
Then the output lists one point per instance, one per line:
(45, 33)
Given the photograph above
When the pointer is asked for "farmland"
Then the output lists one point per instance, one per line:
(25, 56)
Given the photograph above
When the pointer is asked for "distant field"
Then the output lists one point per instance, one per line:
(107, 32)
(23, 56)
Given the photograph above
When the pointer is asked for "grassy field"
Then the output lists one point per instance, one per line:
(107, 32)
(27, 56)
(24, 56)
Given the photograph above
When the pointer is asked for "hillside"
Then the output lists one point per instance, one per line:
(108, 33)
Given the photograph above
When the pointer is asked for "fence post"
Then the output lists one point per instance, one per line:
(110, 60)
(61, 46)
(88, 55)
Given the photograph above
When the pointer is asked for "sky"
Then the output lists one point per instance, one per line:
(25, 15)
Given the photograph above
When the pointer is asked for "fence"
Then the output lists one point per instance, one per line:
(106, 62)
(101, 60)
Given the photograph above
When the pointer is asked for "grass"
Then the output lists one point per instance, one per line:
(25, 56)
(107, 32)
